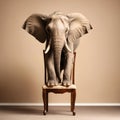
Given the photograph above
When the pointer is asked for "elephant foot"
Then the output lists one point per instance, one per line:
(66, 83)
(51, 83)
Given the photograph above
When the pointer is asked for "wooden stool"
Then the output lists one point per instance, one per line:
(59, 89)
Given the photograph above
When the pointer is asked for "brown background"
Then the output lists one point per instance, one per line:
(98, 55)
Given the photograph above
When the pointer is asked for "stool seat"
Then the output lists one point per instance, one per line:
(59, 87)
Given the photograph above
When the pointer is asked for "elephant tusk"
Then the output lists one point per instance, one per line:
(67, 47)
(47, 49)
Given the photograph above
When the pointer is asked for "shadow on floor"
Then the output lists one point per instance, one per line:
(22, 110)
(36, 110)
(63, 111)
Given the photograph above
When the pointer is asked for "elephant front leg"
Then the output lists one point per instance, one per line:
(67, 70)
(50, 70)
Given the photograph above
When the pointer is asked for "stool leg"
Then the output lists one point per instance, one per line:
(45, 101)
(73, 98)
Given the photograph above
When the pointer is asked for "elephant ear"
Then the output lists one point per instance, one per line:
(79, 25)
(35, 25)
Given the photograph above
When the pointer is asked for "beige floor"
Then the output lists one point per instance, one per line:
(60, 113)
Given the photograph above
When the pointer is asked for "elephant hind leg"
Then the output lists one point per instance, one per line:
(63, 60)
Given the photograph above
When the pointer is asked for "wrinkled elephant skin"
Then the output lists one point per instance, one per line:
(62, 34)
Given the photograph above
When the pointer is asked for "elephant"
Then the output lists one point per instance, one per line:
(62, 33)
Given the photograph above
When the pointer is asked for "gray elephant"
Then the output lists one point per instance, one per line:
(62, 34)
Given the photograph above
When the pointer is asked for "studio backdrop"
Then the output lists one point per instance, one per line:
(97, 72)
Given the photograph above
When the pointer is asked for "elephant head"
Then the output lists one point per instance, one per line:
(57, 30)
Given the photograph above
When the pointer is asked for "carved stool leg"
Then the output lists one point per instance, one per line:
(73, 98)
(45, 101)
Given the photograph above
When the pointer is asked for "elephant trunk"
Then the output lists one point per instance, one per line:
(58, 45)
